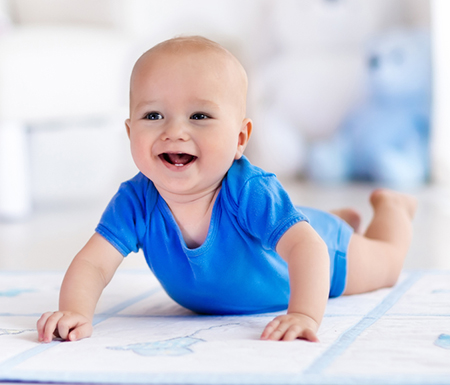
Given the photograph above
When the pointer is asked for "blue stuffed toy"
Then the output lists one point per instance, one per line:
(385, 139)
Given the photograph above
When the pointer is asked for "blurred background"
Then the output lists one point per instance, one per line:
(346, 95)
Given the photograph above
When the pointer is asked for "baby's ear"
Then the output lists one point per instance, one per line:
(127, 125)
(244, 136)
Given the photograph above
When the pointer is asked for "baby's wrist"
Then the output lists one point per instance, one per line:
(305, 319)
(88, 317)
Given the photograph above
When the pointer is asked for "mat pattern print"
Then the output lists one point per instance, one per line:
(391, 336)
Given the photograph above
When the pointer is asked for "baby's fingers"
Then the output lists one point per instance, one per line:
(295, 331)
(309, 335)
(66, 325)
(41, 325)
(73, 327)
(289, 327)
(269, 329)
(80, 332)
(275, 330)
(47, 324)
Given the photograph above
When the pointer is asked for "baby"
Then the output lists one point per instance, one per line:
(221, 235)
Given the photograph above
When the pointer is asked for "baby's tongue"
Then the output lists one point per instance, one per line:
(179, 158)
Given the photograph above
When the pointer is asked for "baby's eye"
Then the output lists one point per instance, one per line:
(199, 116)
(153, 116)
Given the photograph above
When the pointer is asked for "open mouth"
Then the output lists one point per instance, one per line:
(177, 159)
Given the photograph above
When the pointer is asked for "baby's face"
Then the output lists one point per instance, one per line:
(187, 121)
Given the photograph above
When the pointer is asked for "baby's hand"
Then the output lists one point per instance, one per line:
(63, 324)
(291, 326)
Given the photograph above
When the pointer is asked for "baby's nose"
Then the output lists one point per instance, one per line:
(175, 131)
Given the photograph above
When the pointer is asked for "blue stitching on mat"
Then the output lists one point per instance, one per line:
(349, 336)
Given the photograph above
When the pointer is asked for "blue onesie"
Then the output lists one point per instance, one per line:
(236, 270)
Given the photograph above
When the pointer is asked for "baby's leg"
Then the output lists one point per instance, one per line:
(375, 259)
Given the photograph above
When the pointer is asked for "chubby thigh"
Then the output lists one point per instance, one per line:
(336, 233)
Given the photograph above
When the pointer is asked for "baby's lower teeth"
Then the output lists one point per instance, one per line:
(179, 164)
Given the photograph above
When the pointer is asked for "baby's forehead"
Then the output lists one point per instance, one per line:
(190, 51)
(184, 48)
(208, 55)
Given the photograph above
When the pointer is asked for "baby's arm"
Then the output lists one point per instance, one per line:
(89, 273)
(307, 257)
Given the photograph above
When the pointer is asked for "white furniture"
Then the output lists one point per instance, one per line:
(49, 74)
(441, 92)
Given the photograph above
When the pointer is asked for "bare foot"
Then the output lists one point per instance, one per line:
(351, 216)
(385, 196)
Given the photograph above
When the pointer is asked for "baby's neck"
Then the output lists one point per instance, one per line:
(193, 216)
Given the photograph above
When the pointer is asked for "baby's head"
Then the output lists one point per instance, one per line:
(187, 114)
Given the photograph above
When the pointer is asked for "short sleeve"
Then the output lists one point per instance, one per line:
(123, 223)
(265, 209)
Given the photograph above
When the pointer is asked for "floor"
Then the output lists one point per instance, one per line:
(142, 337)
(53, 234)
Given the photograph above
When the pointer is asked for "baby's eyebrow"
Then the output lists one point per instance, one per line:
(206, 103)
(146, 103)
